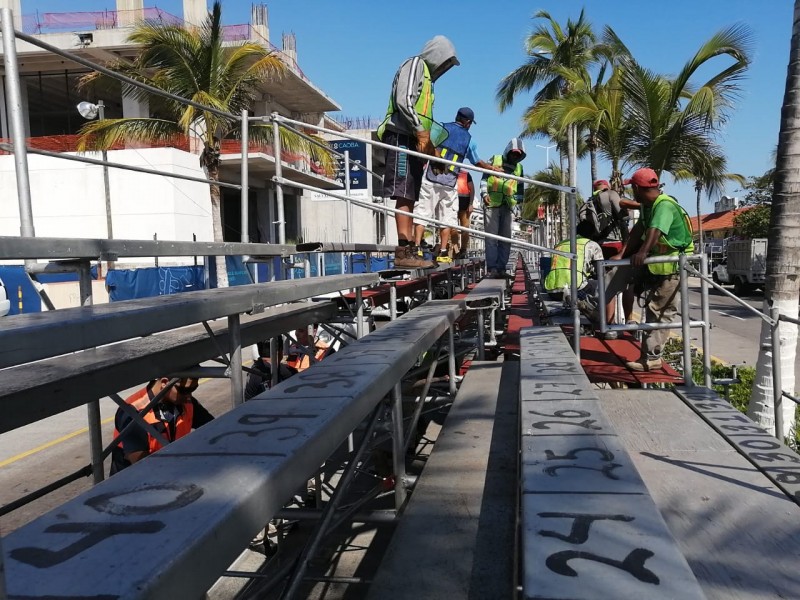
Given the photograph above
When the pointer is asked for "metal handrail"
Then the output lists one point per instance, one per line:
(685, 323)
(116, 165)
(283, 120)
(773, 320)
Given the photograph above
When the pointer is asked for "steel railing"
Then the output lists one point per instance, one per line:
(686, 324)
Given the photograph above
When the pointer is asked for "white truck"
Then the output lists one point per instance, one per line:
(746, 265)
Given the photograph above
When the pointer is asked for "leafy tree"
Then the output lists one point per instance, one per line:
(759, 188)
(754, 222)
(673, 120)
(194, 63)
(556, 58)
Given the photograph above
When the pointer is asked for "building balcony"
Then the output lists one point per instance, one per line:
(261, 158)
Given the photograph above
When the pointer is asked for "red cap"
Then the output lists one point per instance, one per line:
(646, 178)
(601, 184)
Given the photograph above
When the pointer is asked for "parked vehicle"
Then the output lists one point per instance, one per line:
(5, 303)
(720, 273)
(747, 264)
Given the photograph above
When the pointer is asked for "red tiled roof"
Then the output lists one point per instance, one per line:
(718, 220)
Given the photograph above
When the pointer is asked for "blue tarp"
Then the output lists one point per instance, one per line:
(377, 264)
(16, 280)
(125, 284)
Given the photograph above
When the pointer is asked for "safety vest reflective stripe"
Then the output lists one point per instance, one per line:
(423, 106)
(453, 156)
(560, 274)
(183, 422)
(502, 190)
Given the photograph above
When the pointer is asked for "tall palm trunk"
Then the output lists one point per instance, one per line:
(593, 154)
(783, 252)
(562, 199)
(216, 221)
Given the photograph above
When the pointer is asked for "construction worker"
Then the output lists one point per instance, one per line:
(408, 124)
(438, 196)
(663, 230)
(261, 380)
(299, 358)
(175, 414)
(558, 279)
(466, 193)
(500, 195)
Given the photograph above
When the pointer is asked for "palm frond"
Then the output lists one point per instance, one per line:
(102, 135)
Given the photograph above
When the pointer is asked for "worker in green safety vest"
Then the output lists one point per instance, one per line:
(409, 125)
(663, 230)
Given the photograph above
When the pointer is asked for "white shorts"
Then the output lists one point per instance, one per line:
(437, 201)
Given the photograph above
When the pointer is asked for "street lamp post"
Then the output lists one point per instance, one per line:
(89, 111)
(547, 155)
(547, 212)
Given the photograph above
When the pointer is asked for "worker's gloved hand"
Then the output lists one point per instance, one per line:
(424, 143)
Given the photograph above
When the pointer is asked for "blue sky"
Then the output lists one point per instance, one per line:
(351, 50)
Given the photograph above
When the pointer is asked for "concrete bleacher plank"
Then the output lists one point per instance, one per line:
(590, 531)
(206, 495)
(455, 538)
(777, 461)
(34, 336)
(59, 384)
(735, 528)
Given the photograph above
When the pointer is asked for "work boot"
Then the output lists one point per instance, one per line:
(443, 259)
(650, 363)
(461, 254)
(426, 263)
(405, 257)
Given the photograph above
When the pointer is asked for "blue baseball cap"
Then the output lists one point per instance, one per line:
(466, 113)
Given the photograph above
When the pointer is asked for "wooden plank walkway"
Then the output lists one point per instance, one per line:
(739, 533)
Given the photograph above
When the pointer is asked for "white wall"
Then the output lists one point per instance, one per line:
(68, 198)
(324, 219)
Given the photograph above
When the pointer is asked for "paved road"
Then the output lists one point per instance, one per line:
(735, 330)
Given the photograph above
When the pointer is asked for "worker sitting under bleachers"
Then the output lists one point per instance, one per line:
(558, 280)
(299, 357)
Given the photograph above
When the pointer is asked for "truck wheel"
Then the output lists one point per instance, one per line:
(740, 287)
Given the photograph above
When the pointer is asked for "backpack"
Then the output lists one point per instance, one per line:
(596, 222)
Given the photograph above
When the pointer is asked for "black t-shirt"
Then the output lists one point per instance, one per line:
(256, 384)
(136, 439)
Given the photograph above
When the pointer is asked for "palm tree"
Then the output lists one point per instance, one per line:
(673, 121)
(598, 109)
(193, 63)
(556, 57)
(536, 196)
(783, 251)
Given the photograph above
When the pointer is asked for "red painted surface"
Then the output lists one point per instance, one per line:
(604, 362)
